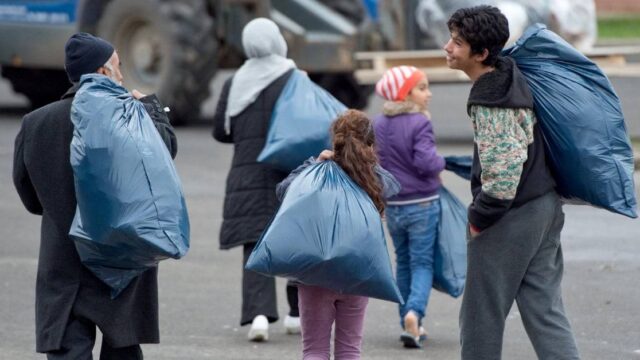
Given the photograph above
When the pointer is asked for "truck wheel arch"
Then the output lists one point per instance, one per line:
(183, 42)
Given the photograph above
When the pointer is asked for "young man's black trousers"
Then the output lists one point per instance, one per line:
(518, 258)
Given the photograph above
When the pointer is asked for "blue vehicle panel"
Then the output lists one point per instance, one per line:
(62, 12)
(34, 32)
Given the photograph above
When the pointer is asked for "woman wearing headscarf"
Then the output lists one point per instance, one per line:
(242, 118)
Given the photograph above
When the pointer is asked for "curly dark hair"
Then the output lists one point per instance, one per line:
(483, 27)
(353, 147)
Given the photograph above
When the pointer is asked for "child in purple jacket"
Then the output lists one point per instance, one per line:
(406, 147)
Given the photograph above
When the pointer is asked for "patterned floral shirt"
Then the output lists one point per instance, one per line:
(503, 136)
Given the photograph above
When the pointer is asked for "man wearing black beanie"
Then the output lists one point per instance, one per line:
(70, 300)
(85, 54)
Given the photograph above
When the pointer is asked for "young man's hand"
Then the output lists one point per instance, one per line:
(325, 155)
(474, 231)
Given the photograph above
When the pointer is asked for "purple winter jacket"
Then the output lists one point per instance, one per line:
(406, 147)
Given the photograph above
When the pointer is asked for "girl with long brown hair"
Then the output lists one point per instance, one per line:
(353, 150)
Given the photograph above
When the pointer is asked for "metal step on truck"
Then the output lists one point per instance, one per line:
(370, 65)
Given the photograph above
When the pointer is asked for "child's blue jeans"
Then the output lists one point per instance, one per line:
(413, 229)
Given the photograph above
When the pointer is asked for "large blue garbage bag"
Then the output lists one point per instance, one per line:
(300, 123)
(581, 118)
(131, 211)
(327, 233)
(460, 165)
(450, 257)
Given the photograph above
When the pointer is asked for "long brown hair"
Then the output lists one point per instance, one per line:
(353, 141)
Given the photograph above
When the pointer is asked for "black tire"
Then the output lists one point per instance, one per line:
(344, 87)
(165, 47)
(40, 86)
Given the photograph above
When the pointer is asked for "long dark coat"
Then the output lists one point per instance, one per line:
(43, 177)
(250, 200)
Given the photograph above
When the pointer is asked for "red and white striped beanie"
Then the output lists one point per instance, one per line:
(398, 81)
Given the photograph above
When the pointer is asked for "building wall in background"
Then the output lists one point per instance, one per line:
(617, 6)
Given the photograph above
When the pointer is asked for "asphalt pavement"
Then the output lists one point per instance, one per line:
(200, 294)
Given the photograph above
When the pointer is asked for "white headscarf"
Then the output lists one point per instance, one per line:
(266, 49)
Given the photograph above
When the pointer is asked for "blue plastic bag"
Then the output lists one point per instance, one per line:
(450, 257)
(131, 211)
(300, 123)
(581, 119)
(327, 233)
(460, 165)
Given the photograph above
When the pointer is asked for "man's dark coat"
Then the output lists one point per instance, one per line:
(43, 177)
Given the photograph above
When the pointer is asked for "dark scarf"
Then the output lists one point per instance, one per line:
(504, 87)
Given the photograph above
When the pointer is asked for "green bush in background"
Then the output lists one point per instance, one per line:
(619, 27)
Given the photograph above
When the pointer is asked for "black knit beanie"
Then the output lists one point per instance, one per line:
(84, 54)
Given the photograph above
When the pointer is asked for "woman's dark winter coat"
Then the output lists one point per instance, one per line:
(43, 178)
(250, 201)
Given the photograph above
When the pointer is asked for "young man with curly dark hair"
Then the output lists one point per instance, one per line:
(516, 217)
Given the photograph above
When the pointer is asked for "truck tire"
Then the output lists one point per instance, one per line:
(165, 47)
(344, 87)
(40, 86)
